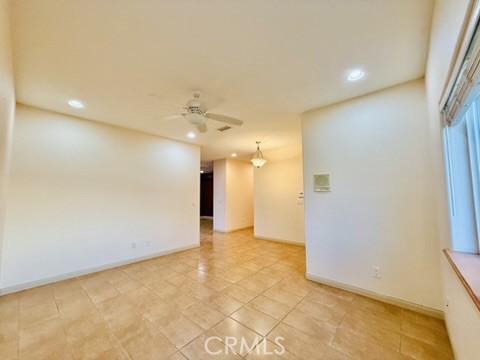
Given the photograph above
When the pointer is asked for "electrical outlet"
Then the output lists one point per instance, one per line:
(376, 272)
(134, 245)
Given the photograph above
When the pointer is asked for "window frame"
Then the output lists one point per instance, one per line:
(470, 118)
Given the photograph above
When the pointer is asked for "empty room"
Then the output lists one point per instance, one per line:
(222, 179)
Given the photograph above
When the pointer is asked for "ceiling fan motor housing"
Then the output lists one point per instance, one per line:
(195, 105)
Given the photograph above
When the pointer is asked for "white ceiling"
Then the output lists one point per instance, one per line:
(135, 62)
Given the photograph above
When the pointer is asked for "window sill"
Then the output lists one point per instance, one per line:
(467, 268)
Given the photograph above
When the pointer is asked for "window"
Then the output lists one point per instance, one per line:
(461, 115)
(462, 146)
(460, 108)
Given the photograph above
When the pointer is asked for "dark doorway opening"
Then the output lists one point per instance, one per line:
(206, 195)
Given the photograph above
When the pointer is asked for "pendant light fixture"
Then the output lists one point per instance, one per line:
(257, 160)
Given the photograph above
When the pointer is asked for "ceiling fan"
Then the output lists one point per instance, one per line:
(197, 114)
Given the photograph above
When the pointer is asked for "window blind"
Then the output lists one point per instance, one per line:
(467, 80)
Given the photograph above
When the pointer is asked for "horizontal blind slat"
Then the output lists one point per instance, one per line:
(467, 78)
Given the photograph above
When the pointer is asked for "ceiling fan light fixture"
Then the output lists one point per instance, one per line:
(258, 160)
(195, 118)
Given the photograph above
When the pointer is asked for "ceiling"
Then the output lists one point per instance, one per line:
(135, 62)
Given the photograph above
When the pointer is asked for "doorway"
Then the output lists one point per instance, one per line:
(206, 195)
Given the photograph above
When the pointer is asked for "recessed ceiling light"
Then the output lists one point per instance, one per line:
(191, 135)
(77, 104)
(355, 75)
(234, 155)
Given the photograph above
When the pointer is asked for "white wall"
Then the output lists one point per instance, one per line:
(462, 318)
(239, 194)
(81, 193)
(277, 186)
(232, 195)
(220, 195)
(380, 211)
(7, 108)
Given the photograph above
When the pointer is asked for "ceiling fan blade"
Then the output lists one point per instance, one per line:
(202, 127)
(173, 117)
(224, 119)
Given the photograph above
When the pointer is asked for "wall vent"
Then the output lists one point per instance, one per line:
(224, 128)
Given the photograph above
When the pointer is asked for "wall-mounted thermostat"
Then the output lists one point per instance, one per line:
(321, 182)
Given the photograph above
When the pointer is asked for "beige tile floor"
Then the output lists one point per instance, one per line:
(233, 285)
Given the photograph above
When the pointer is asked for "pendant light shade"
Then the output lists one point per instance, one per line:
(257, 160)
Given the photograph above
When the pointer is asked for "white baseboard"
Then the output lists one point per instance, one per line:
(290, 242)
(74, 274)
(384, 298)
